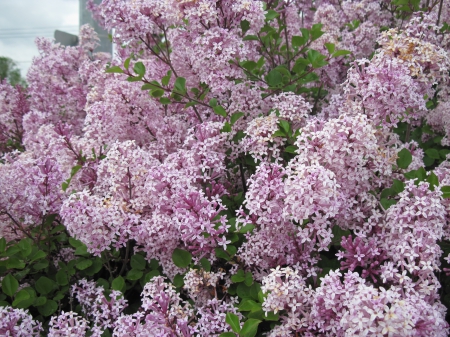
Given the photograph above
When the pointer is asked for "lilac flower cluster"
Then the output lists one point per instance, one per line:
(285, 141)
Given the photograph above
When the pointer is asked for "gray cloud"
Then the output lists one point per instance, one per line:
(21, 21)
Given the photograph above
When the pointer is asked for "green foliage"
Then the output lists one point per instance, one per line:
(181, 258)
(10, 71)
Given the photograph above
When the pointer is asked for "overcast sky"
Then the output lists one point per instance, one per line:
(21, 21)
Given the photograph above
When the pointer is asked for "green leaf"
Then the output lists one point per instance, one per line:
(166, 79)
(156, 93)
(247, 228)
(165, 100)
(432, 153)
(41, 265)
(274, 78)
(271, 14)
(61, 278)
(206, 265)
(74, 170)
(75, 243)
(249, 65)
(341, 53)
(445, 192)
(139, 68)
(220, 253)
(12, 250)
(248, 278)
(82, 264)
(134, 78)
(115, 69)
(235, 117)
(298, 41)
(404, 159)
(305, 33)
(213, 102)
(227, 334)
(243, 290)
(151, 275)
(428, 161)
(25, 247)
(238, 277)
(421, 174)
(218, 110)
(291, 149)
(48, 309)
(233, 321)
(257, 314)
(181, 258)
(443, 153)
(15, 263)
(180, 85)
(433, 180)
(249, 305)
(64, 185)
(118, 283)
(330, 47)
(106, 333)
(126, 64)
(226, 127)
(250, 327)
(81, 250)
(270, 316)
(316, 31)
(285, 126)
(153, 264)
(96, 266)
(44, 285)
(150, 86)
(386, 203)
(279, 133)
(134, 274)
(250, 38)
(138, 262)
(41, 300)
(178, 281)
(231, 250)
(21, 296)
(398, 186)
(9, 285)
(2, 245)
(245, 26)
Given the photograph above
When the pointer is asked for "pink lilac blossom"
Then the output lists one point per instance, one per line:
(385, 91)
(273, 242)
(201, 285)
(68, 324)
(287, 292)
(354, 307)
(163, 313)
(18, 323)
(26, 200)
(14, 105)
(101, 310)
(54, 79)
(413, 226)
(212, 315)
(312, 199)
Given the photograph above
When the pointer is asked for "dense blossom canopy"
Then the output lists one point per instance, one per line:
(275, 168)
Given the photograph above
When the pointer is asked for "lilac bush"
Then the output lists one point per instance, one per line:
(236, 168)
